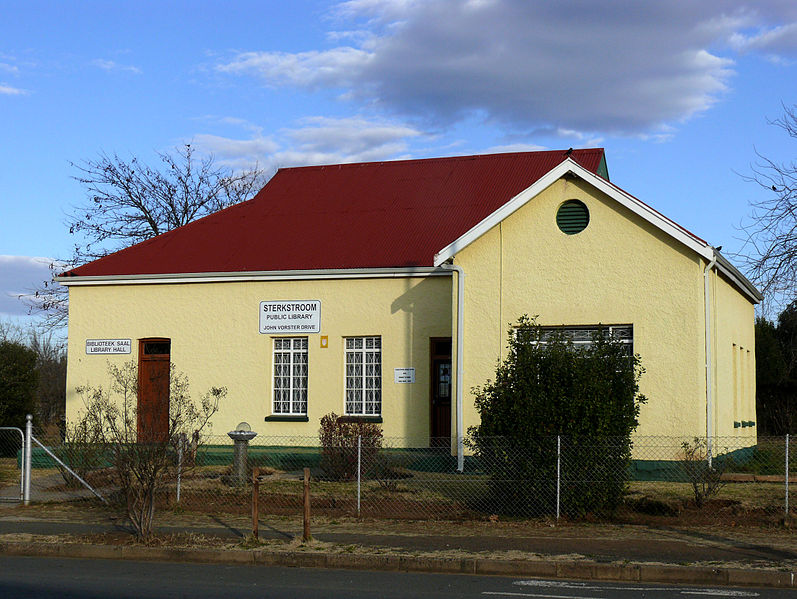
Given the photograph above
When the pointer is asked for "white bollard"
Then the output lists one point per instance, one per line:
(558, 473)
(26, 459)
(359, 469)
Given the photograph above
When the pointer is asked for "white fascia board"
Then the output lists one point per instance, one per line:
(556, 173)
(738, 279)
(284, 275)
(499, 215)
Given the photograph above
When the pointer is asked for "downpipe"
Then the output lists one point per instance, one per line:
(460, 345)
(709, 356)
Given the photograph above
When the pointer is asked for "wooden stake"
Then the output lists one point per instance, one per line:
(255, 501)
(306, 537)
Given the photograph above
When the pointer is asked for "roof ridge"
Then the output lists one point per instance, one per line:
(405, 161)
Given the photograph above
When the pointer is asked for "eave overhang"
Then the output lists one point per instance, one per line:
(278, 275)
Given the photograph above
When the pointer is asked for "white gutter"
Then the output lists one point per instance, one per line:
(709, 360)
(460, 326)
(274, 275)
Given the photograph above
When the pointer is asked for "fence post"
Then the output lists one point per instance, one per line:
(359, 469)
(26, 459)
(787, 477)
(255, 501)
(558, 472)
(306, 534)
(181, 441)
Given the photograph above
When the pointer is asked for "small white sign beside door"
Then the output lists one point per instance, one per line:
(108, 346)
(403, 375)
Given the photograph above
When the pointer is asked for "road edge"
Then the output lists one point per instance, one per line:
(580, 570)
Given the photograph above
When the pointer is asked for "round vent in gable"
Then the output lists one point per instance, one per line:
(572, 217)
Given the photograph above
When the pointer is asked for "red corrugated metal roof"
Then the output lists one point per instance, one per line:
(366, 215)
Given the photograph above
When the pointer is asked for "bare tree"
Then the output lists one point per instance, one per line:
(10, 331)
(143, 463)
(128, 202)
(51, 365)
(770, 252)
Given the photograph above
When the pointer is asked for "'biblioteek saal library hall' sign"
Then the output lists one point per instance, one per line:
(290, 317)
(108, 346)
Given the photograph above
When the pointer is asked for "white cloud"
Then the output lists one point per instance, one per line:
(775, 40)
(315, 140)
(110, 65)
(623, 67)
(518, 147)
(352, 137)
(8, 68)
(304, 69)
(236, 153)
(7, 90)
(19, 275)
(379, 9)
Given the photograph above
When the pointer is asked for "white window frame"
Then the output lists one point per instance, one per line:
(581, 335)
(357, 387)
(297, 393)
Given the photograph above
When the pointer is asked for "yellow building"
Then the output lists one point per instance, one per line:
(384, 291)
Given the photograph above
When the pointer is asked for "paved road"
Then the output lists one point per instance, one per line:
(45, 578)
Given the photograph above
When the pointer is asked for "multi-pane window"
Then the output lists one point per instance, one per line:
(290, 375)
(584, 336)
(364, 376)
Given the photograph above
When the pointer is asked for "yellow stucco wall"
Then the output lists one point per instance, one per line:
(216, 341)
(734, 350)
(619, 270)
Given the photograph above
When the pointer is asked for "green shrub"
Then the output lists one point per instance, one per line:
(338, 436)
(546, 388)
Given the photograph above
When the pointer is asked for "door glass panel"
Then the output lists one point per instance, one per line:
(444, 380)
(156, 348)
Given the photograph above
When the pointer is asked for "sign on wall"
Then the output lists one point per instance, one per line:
(290, 317)
(108, 346)
(404, 375)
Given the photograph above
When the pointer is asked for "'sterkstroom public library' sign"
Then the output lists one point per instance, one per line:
(108, 346)
(290, 317)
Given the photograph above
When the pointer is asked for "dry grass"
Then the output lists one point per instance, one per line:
(9, 472)
(748, 495)
(427, 497)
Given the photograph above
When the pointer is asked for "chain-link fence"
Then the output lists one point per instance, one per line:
(651, 479)
(11, 442)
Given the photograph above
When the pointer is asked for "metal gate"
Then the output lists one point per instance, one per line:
(12, 440)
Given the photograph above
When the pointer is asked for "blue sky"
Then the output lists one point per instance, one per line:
(678, 92)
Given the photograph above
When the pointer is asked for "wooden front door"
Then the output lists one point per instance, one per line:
(154, 361)
(441, 392)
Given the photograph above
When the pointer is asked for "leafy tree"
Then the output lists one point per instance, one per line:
(129, 201)
(50, 394)
(771, 245)
(547, 387)
(142, 468)
(776, 373)
(18, 380)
